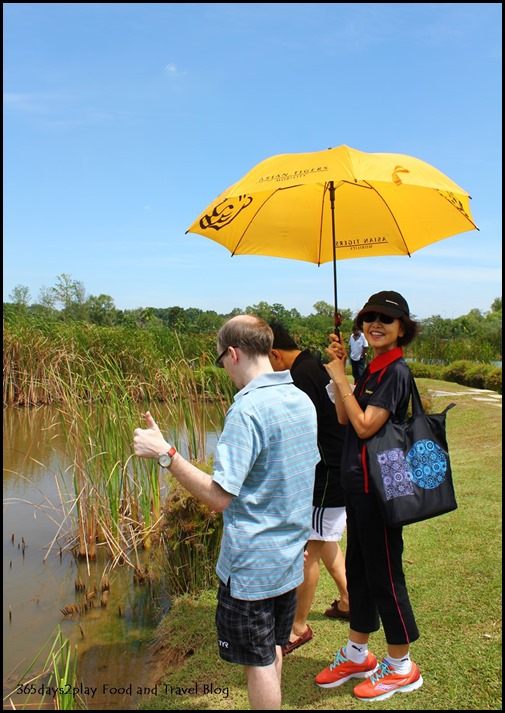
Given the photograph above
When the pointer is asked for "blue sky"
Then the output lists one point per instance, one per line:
(122, 122)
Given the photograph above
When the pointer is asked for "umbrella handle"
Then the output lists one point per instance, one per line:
(337, 321)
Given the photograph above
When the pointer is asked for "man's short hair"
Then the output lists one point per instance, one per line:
(248, 332)
(282, 338)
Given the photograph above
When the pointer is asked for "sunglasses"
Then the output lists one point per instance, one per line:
(377, 317)
(220, 358)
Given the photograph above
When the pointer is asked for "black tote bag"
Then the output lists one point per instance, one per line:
(409, 468)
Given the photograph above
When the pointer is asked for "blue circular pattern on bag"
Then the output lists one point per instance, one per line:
(427, 464)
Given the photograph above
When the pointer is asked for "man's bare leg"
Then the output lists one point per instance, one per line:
(264, 684)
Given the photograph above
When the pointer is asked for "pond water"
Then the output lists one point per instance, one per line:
(40, 576)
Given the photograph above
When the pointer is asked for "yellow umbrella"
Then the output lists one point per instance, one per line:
(336, 204)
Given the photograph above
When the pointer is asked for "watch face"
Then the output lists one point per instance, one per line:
(164, 460)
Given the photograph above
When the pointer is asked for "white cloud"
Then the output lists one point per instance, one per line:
(172, 71)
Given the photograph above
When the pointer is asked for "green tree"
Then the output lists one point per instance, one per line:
(262, 309)
(47, 298)
(71, 295)
(323, 309)
(20, 295)
(101, 310)
(234, 312)
(176, 319)
(207, 322)
(492, 326)
(496, 306)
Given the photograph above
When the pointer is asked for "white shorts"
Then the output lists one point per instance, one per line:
(328, 524)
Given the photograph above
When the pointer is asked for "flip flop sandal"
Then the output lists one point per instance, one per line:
(334, 612)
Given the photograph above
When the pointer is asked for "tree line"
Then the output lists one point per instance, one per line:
(67, 301)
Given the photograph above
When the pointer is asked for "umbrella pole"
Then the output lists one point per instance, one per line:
(337, 317)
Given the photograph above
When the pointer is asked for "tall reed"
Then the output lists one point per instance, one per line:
(102, 381)
(56, 680)
(115, 500)
(437, 350)
(117, 505)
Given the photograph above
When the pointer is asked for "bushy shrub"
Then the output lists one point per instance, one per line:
(494, 379)
(476, 375)
(470, 373)
(456, 371)
(425, 371)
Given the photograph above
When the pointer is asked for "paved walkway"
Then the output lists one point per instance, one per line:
(486, 395)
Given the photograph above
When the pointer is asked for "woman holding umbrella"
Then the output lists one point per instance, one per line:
(375, 578)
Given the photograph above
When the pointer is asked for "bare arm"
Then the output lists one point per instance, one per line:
(149, 443)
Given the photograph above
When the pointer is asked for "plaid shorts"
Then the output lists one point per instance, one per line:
(248, 631)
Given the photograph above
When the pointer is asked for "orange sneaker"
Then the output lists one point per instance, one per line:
(341, 670)
(384, 683)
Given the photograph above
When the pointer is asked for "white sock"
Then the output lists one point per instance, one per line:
(356, 653)
(402, 665)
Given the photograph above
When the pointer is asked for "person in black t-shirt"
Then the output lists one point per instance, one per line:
(328, 511)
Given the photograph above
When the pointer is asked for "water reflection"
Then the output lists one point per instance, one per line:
(32, 446)
(40, 576)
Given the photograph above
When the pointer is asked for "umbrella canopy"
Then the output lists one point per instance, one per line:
(336, 204)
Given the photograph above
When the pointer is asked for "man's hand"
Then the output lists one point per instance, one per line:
(149, 442)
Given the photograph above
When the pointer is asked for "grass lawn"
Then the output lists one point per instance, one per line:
(454, 573)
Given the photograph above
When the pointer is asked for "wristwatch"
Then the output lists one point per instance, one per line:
(165, 459)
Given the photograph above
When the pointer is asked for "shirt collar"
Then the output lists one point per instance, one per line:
(384, 360)
(273, 378)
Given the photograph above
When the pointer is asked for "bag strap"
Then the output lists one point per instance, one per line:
(417, 404)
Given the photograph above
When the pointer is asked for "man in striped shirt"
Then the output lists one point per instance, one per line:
(263, 483)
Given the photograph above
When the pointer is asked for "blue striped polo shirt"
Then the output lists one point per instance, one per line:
(266, 458)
